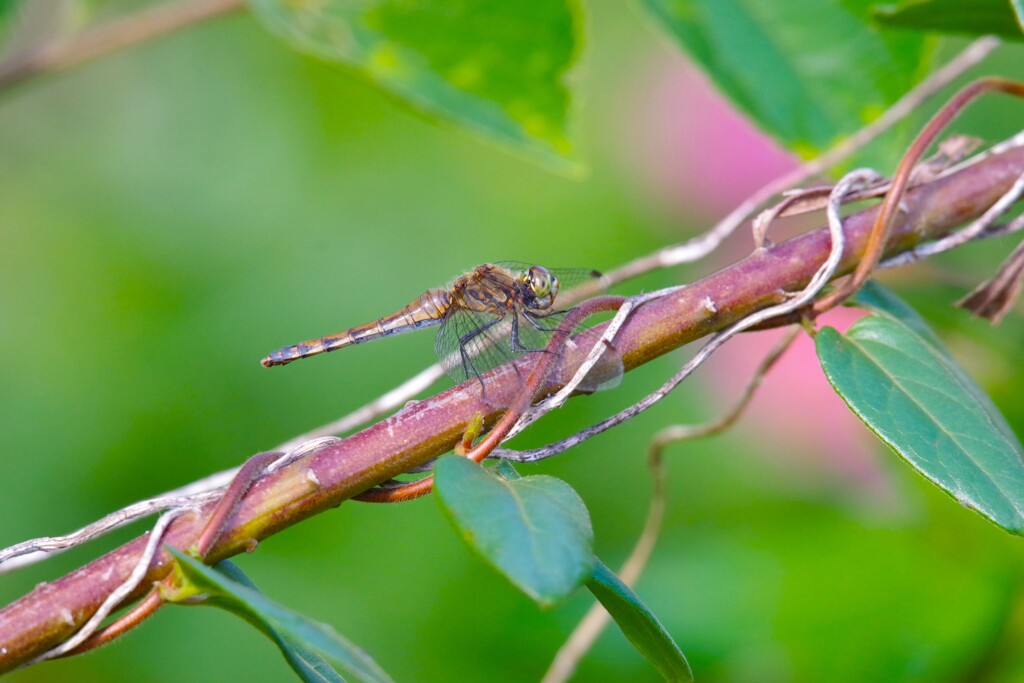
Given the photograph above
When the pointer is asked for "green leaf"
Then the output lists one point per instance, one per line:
(927, 410)
(808, 73)
(494, 67)
(976, 17)
(873, 296)
(639, 624)
(534, 530)
(311, 648)
(308, 664)
(1018, 13)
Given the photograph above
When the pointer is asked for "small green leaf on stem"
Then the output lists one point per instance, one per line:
(314, 650)
(639, 624)
(535, 530)
(920, 403)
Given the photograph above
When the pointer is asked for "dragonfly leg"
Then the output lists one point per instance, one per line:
(535, 319)
(517, 346)
(468, 366)
(514, 339)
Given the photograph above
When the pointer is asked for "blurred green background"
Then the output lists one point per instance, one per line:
(171, 214)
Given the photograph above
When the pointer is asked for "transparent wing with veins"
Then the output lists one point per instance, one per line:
(470, 343)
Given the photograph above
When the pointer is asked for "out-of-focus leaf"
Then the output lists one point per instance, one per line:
(639, 624)
(312, 649)
(1018, 12)
(497, 68)
(808, 73)
(534, 530)
(927, 410)
(7, 9)
(976, 17)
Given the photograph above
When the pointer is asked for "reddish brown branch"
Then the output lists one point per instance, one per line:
(220, 516)
(424, 430)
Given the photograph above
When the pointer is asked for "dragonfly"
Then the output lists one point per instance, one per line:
(489, 316)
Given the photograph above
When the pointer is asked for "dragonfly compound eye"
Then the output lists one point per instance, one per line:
(541, 282)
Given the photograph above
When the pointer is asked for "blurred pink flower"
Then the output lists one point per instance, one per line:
(796, 414)
(690, 148)
(694, 154)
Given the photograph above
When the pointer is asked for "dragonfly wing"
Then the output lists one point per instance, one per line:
(567, 277)
(470, 343)
(574, 284)
(605, 374)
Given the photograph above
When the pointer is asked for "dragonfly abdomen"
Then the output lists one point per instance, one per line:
(427, 309)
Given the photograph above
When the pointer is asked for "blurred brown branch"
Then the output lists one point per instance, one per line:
(325, 478)
(65, 53)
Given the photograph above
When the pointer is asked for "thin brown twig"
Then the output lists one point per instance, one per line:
(766, 218)
(601, 348)
(38, 548)
(927, 250)
(596, 619)
(228, 503)
(878, 238)
(118, 34)
(126, 622)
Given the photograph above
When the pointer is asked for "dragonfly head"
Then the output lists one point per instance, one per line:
(541, 286)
